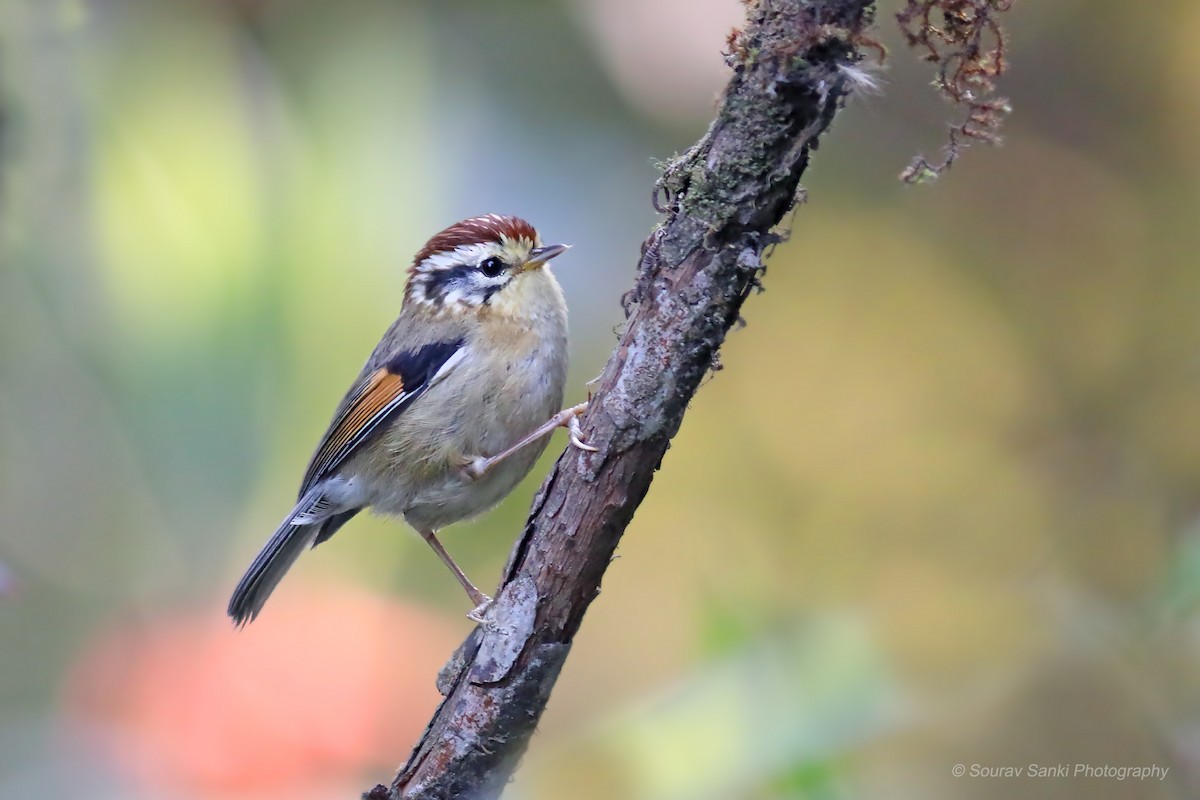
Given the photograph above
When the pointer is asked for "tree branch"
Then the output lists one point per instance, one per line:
(723, 200)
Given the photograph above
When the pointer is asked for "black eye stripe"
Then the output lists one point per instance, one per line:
(468, 279)
(439, 282)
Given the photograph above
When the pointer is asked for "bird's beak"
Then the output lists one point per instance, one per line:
(540, 255)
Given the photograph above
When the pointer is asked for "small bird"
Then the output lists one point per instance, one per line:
(451, 410)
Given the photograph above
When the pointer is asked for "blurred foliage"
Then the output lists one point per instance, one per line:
(940, 507)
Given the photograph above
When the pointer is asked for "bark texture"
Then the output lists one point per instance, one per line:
(722, 201)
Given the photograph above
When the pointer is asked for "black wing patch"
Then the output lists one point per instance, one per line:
(417, 367)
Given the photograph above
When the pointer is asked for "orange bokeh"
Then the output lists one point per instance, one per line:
(323, 686)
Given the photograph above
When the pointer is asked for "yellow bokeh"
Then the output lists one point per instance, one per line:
(177, 193)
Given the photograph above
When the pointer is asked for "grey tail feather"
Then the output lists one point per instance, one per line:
(330, 526)
(277, 557)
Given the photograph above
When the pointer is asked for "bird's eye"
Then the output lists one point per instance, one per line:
(491, 267)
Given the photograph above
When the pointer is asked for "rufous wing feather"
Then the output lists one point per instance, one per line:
(377, 397)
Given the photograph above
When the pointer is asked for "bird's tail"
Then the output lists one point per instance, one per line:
(297, 532)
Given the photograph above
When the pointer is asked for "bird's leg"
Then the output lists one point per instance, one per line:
(481, 600)
(477, 467)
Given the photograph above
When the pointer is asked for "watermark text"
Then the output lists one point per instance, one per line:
(1112, 772)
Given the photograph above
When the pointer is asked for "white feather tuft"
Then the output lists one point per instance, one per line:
(865, 79)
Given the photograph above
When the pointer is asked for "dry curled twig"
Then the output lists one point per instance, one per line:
(965, 39)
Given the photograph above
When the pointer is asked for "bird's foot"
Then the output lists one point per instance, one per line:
(576, 434)
(478, 614)
(474, 468)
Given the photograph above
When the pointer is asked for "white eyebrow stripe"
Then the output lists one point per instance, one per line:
(463, 254)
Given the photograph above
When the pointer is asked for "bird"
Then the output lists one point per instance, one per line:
(451, 409)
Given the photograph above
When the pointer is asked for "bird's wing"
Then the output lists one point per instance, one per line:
(378, 396)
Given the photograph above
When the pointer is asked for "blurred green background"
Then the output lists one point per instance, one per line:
(942, 506)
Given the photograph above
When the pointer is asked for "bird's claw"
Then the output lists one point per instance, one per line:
(478, 613)
(576, 434)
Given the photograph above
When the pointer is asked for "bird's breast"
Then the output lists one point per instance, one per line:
(515, 384)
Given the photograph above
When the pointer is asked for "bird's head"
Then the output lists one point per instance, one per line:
(491, 261)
